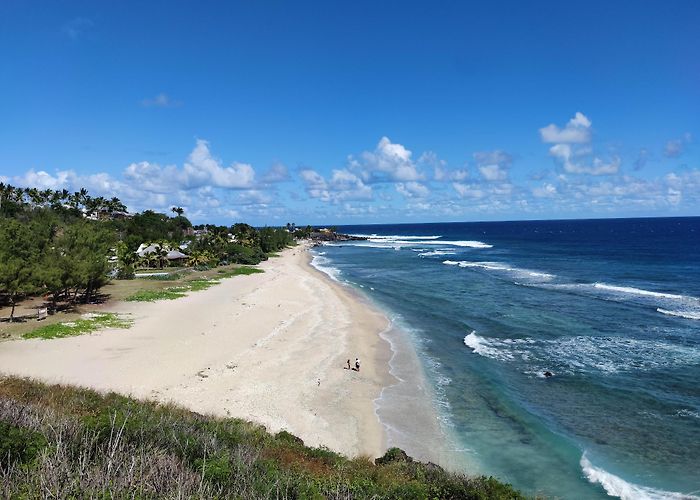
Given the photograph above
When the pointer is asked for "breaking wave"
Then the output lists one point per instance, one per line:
(395, 237)
(581, 354)
(638, 291)
(615, 486)
(435, 253)
(322, 264)
(393, 241)
(680, 314)
(670, 304)
(500, 266)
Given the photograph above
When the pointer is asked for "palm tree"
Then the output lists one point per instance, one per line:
(197, 259)
(162, 256)
(115, 205)
(152, 260)
(34, 196)
(178, 210)
(46, 196)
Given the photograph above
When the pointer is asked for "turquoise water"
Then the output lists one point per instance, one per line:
(610, 308)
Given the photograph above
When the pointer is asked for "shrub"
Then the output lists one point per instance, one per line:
(125, 272)
(215, 468)
(65, 442)
(18, 445)
(393, 455)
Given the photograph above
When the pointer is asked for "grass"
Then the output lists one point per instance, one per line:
(239, 271)
(153, 295)
(65, 442)
(143, 288)
(192, 285)
(162, 277)
(86, 324)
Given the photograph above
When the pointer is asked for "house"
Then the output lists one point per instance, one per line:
(147, 249)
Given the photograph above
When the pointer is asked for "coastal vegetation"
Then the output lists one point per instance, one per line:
(65, 247)
(192, 285)
(86, 324)
(65, 442)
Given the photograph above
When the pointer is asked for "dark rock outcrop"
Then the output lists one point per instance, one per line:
(331, 236)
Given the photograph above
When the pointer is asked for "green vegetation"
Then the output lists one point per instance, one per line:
(88, 323)
(153, 295)
(65, 246)
(193, 285)
(239, 271)
(162, 277)
(22, 444)
(63, 442)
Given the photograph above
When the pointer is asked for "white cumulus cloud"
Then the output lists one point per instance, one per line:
(412, 189)
(567, 157)
(342, 185)
(388, 162)
(577, 130)
(493, 165)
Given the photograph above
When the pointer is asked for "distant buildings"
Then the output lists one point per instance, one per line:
(148, 249)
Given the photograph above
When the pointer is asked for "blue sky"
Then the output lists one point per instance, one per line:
(357, 112)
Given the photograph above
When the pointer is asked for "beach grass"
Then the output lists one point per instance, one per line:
(192, 285)
(239, 271)
(163, 277)
(153, 295)
(86, 324)
(200, 284)
(66, 442)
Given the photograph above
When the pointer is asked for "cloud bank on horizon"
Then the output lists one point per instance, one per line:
(389, 183)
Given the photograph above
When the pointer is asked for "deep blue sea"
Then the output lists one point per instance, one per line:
(611, 308)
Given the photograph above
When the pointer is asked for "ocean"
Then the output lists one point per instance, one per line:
(561, 356)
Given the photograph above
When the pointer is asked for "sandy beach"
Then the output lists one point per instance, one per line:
(270, 348)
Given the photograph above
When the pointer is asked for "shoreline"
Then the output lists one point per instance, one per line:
(424, 436)
(269, 348)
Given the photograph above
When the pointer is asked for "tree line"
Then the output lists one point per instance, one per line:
(65, 246)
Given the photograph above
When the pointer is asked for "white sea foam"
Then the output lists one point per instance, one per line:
(639, 291)
(485, 347)
(395, 237)
(402, 243)
(500, 266)
(578, 354)
(435, 253)
(687, 413)
(670, 304)
(321, 263)
(615, 486)
(393, 241)
(465, 244)
(680, 314)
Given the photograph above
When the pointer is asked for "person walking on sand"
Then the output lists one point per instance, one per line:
(357, 364)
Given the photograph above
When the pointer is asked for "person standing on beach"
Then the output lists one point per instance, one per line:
(357, 364)
(348, 364)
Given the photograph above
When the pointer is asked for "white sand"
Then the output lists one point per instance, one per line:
(268, 347)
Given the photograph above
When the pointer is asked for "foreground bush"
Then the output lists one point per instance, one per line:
(63, 442)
